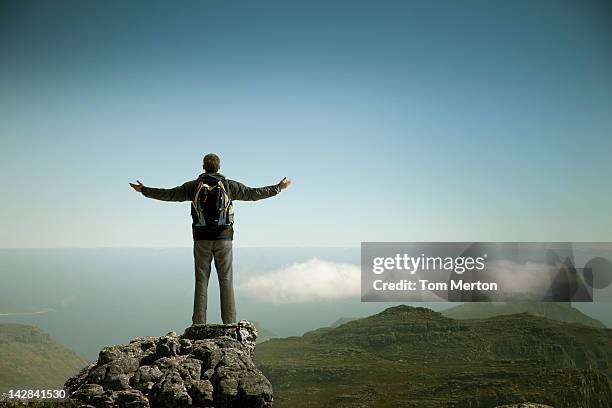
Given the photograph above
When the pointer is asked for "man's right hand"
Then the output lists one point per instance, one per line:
(138, 187)
(284, 183)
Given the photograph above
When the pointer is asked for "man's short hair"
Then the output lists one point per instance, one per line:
(212, 163)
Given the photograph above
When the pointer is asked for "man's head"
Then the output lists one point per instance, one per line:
(212, 163)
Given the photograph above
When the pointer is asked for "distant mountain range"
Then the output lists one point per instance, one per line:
(31, 359)
(563, 312)
(415, 357)
(263, 334)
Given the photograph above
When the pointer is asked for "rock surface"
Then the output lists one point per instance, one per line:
(207, 366)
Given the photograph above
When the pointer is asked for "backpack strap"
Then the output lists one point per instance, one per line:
(197, 195)
(228, 199)
(194, 203)
(223, 203)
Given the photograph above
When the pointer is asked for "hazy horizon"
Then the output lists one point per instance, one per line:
(85, 290)
(100, 297)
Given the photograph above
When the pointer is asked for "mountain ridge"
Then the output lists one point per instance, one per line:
(417, 357)
(551, 310)
(31, 358)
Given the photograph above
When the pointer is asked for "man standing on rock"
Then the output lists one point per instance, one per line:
(212, 212)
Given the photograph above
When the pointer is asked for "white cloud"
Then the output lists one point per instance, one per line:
(69, 300)
(310, 281)
(528, 279)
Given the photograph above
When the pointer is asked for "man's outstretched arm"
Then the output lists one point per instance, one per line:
(239, 191)
(179, 193)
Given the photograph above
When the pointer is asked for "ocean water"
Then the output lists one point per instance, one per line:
(90, 298)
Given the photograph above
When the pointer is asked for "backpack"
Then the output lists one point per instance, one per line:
(212, 205)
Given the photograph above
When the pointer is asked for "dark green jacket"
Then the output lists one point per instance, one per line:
(187, 191)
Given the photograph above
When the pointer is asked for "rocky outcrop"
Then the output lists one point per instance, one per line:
(207, 366)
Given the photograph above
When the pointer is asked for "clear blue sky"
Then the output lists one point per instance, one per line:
(405, 121)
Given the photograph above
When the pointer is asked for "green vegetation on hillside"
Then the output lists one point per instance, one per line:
(342, 321)
(30, 358)
(556, 311)
(415, 357)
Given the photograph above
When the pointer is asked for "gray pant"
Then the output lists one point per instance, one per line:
(203, 253)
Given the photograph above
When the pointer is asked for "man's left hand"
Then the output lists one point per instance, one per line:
(138, 187)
